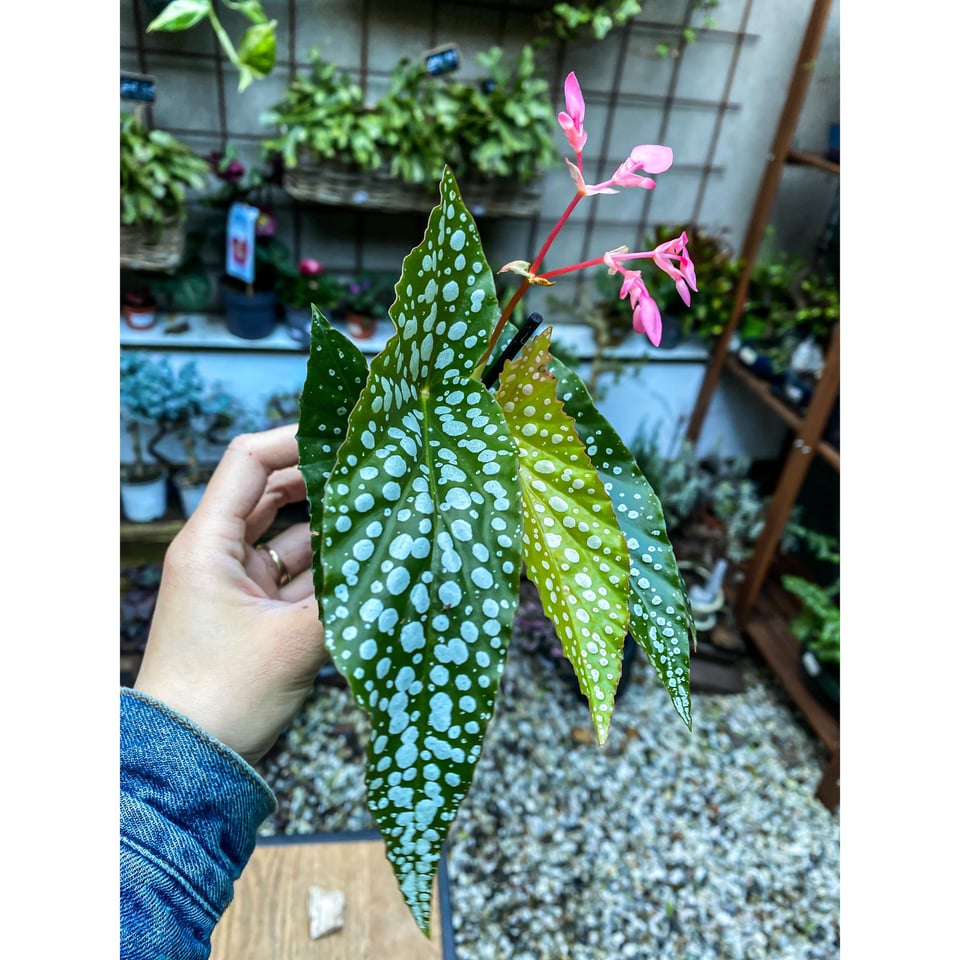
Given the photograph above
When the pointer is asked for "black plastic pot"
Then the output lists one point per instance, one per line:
(251, 316)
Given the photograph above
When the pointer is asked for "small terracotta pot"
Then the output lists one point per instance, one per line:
(139, 318)
(360, 326)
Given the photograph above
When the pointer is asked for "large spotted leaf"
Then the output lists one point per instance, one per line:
(573, 548)
(421, 548)
(336, 373)
(659, 616)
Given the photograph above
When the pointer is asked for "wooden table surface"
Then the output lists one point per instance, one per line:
(268, 918)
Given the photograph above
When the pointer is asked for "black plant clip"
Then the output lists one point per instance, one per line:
(512, 349)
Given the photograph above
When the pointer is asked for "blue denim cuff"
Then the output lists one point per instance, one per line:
(190, 808)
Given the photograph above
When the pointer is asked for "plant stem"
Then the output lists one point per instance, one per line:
(223, 37)
(524, 286)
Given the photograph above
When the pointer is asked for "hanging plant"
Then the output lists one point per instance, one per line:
(256, 53)
(574, 21)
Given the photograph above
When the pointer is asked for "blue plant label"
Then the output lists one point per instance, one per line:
(444, 59)
(140, 87)
(241, 241)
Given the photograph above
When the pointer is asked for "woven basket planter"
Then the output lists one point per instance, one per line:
(334, 184)
(153, 247)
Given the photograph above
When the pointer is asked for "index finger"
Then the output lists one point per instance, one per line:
(241, 476)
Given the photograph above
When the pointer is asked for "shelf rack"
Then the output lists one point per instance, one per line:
(765, 621)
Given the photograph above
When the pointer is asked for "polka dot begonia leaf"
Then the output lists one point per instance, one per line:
(421, 548)
(660, 620)
(336, 373)
(573, 548)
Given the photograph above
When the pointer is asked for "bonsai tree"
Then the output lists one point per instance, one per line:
(153, 393)
(156, 172)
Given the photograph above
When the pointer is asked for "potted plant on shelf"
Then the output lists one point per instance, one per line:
(817, 624)
(366, 300)
(789, 314)
(309, 285)
(156, 173)
(143, 484)
(139, 307)
(254, 257)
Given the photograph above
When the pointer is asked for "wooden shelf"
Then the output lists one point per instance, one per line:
(761, 389)
(768, 629)
(806, 159)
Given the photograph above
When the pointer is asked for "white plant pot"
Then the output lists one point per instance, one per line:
(190, 495)
(144, 500)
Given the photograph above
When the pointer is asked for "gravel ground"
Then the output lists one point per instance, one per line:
(666, 843)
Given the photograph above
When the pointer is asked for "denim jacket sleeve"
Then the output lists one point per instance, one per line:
(190, 808)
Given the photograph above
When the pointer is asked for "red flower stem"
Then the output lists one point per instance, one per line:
(596, 262)
(558, 226)
(524, 286)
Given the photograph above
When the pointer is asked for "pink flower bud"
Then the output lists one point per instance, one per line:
(310, 267)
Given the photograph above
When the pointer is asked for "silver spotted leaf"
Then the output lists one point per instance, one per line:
(336, 373)
(660, 620)
(421, 548)
(573, 548)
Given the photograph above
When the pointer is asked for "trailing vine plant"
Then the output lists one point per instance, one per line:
(256, 54)
(596, 18)
(463, 454)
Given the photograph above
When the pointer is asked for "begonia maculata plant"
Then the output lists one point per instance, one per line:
(462, 456)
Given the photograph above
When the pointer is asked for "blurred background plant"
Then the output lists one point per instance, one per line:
(310, 284)
(256, 53)
(156, 173)
(500, 127)
(255, 186)
(596, 18)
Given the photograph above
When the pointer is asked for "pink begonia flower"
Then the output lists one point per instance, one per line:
(571, 119)
(646, 313)
(650, 157)
(684, 274)
(310, 267)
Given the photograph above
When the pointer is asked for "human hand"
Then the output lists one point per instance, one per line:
(234, 645)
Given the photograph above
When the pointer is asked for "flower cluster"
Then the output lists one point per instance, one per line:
(310, 284)
(670, 257)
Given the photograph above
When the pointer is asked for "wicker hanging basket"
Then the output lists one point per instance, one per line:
(333, 183)
(152, 246)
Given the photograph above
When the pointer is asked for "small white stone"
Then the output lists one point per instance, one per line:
(325, 908)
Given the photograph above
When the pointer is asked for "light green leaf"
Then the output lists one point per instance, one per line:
(180, 15)
(258, 49)
(251, 9)
(573, 548)
(660, 620)
(421, 548)
(336, 373)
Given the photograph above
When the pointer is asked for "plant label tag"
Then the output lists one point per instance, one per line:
(241, 241)
(140, 87)
(443, 59)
